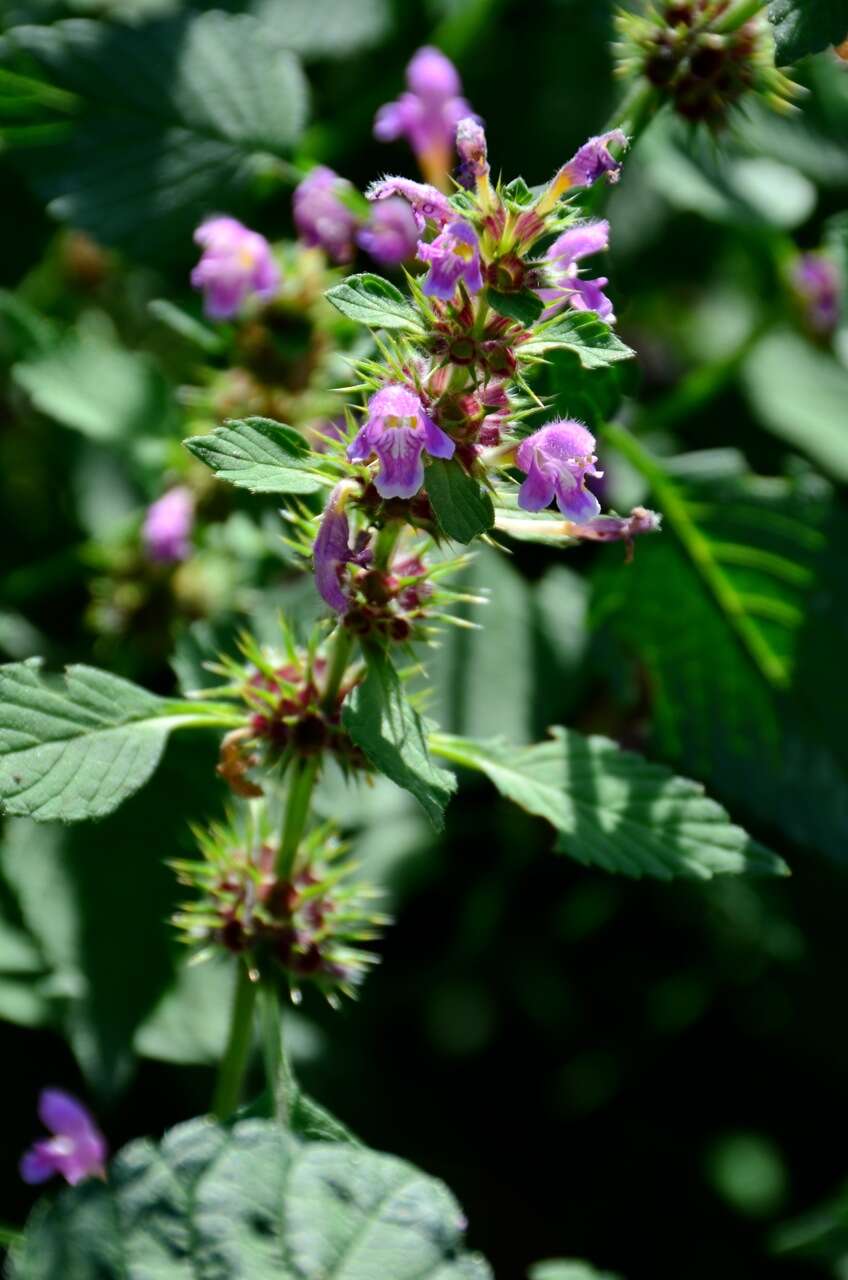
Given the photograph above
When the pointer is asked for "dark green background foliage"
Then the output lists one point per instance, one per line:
(647, 1074)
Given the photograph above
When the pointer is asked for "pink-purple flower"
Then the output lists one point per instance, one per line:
(557, 459)
(321, 216)
(472, 151)
(586, 166)
(427, 203)
(453, 256)
(331, 552)
(77, 1149)
(428, 113)
(565, 285)
(236, 264)
(398, 430)
(167, 526)
(391, 233)
(818, 284)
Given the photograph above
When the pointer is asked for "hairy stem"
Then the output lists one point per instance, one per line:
(234, 1063)
(278, 1071)
(298, 800)
(342, 647)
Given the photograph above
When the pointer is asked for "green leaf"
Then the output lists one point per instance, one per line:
(525, 307)
(518, 193)
(174, 118)
(462, 507)
(592, 341)
(92, 384)
(807, 26)
(249, 1203)
(613, 809)
(187, 326)
(260, 455)
(79, 753)
(324, 28)
(800, 394)
(737, 616)
(380, 719)
(375, 302)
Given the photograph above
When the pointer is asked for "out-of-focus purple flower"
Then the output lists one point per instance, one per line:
(321, 216)
(398, 429)
(557, 459)
(453, 256)
(391, 233)
(590, 163)
(563, 271)
(426, 115)
(817, 281)
(236, 263)
(619, 528)
(332, 551)
(167, 526)
(428, 204)
(77, 1149)
(472, 151)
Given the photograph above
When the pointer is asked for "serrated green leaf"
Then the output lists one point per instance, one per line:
(807, 26)
(462, 507)
(174, 118)
(800, 394)
(380, 719)
(525, 307)
(260, 455)
(249, 1203)
(614, 809)
(377, 303)
(77, 753)
(738, 618)
(592, 341)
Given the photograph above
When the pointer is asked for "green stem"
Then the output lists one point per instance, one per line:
(386, 543)
(737, 15)
(342, 647)
(301, 782)
(636, 108)
(281, 1082)
(236, 1056)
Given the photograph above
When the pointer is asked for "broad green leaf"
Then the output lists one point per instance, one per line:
(91, 383)
(259, 455)
(171, 120)
(525, 307)
(80, 752)
(807, 26)
(380, 719)
(568, 1269)
(614, 809)
(375, 302)
(462, 507)
(800, 394)
(249, 1203)
(592, 341)
(324, 28)
(737, 616)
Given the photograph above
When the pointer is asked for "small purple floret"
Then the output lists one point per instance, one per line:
(427, 203)
(321, 217)
(557, 459)
(566, 286)
(77, 1149)
(332, 552)
(593, 160)
(398, 429)
(619, 528)
(472, 151)
(453, 256)
(236, 264)
(391, 234)
(818, 283)
(426, 115)
(167, 526)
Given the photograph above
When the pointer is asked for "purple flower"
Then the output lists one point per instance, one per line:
(77, 1149)
(584, 168)
(397, 429)
(472, 151)
(332, 551)
(427, 115)
(566, 287)
(428, 204)
(321, 217)
(453, 256)
(167, 526)
(818, 283)
(236, 263)
(619, 528)
(391, 234)
(557, 459)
